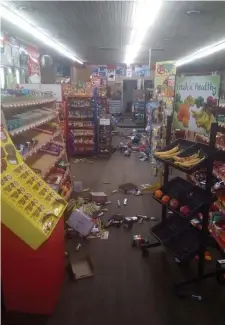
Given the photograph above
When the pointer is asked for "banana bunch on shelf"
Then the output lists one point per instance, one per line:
(188, 161)
(168, 154)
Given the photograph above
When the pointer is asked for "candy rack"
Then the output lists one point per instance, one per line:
(81, 126)
(104, 136)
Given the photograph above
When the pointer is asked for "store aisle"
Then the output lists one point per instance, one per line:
(126, 288)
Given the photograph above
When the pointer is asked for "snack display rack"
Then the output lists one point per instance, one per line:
(81, 120)
(35, 131)
(187, 202)
(101, 101)
(104, 135)
(139, 109)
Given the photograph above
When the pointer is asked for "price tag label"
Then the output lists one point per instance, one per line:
(104, 121)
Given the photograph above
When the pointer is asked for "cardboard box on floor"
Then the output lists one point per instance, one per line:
(80, 268)
(99, 197)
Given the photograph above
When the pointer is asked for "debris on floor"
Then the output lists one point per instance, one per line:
(105, 235)
(128, 188)
(81, 268)
(80, 222)
(139, 240)
(99, 197)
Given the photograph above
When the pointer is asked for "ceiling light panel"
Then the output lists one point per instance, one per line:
(203, 52)
(17, 18)
(144, 15)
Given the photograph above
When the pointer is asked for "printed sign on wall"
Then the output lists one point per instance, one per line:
(191, 95)
(111, 74)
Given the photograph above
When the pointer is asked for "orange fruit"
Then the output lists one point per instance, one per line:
(165, 199)
(158, 194)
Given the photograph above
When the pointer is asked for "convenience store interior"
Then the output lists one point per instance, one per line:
(113, 130)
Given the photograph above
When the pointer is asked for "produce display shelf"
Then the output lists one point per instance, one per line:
(43, 139)
(185, 246)
(186, 194)
(32, 125)
(44, 162)
(188, 148)
(30, 103)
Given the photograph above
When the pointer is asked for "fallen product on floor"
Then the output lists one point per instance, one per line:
(81, 268)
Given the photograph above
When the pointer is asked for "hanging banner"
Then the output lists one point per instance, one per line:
(191, 95)
(165, 78)
(111, 75)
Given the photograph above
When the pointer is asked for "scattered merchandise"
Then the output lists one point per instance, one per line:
(78, 247)
(99, 197)
(105, 235)
(138, 241)
(80, 222)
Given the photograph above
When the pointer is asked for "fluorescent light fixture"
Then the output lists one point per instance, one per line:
(144, 15)
(203, 52)
(8, 12)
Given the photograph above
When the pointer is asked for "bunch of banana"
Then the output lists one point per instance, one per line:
(189, 163)
(203, 119)
(168, 154)
(187, 158)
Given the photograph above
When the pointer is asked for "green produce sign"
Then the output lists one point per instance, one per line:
(191, 93)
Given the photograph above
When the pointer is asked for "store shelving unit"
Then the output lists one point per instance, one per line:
(104, 136)
(139, 108)
(103, 121)
(80, 126)
(33, 125)
(175, 232)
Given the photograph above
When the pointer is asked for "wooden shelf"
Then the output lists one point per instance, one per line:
(44, 162)
(42, 138)
(18, 103)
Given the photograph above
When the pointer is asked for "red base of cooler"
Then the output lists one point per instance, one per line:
(32, 280)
